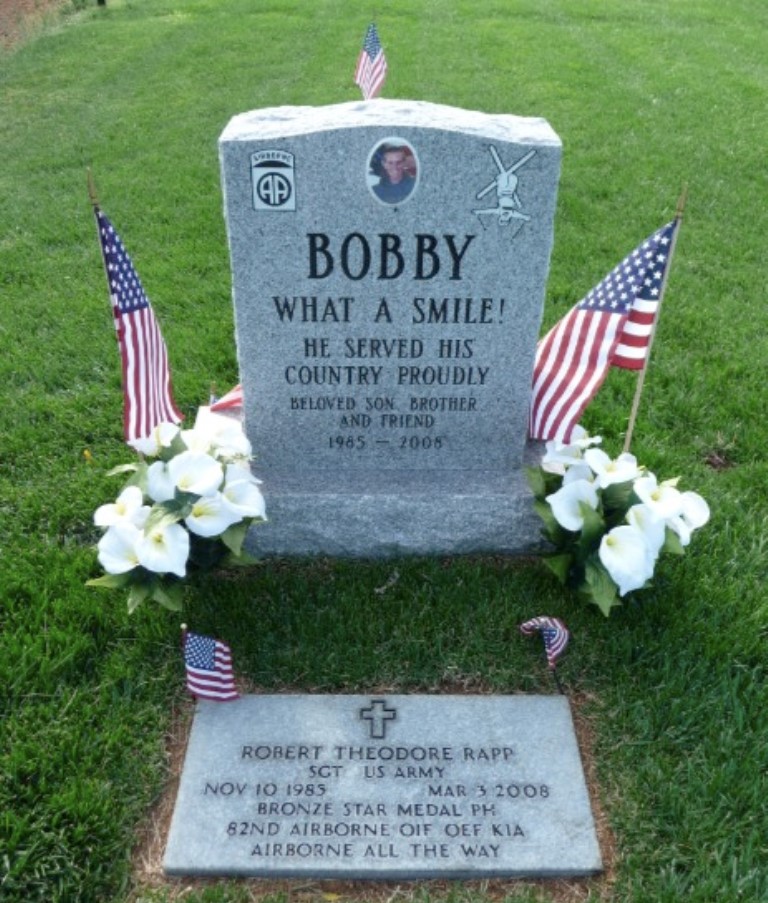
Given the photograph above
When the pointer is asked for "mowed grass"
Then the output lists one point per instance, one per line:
(646, 97)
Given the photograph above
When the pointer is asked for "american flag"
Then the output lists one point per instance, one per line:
(229, 402)
(146, 377)
(209, 668)
(611, 327)
(554, 633)
(371, 64)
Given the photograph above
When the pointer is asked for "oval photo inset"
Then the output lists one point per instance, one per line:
(393, 171)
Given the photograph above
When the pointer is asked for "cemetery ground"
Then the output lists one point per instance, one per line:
(670, 691)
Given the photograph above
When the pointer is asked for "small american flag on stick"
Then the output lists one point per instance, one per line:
(611, 327)
(554, 633)
(371, 67)
(209, 668)
(148, 397)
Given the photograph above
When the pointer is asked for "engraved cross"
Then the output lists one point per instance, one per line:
(377, 714)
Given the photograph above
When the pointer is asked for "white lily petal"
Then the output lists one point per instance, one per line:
(695, 510)
(663, 499)
(160, 487)
(141, 516)
(117, 548)
(624, 554)
(609, 471)
(245, 499)
(160, 437)
(559, 455)
(128, 503)
(210, 516)
(196, 473)
(580, 437)
(578, 471)
(223, 434)
(653, 528)
(164, 550)
(565, 503)
(679, 526)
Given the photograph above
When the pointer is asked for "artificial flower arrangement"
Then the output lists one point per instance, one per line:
(188, 505)
(608, 519)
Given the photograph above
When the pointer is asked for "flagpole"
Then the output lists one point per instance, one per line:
(92, 189)
(646, 361)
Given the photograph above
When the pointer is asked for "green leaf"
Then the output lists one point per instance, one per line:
(598, 587)
(672, 543)
(170, 512)
(234, 537)
(560, 565)
(553, 530)
(110, 581)
(170, 597)
(535, 477)
(593, 529)
(618, 498)
(138, 593)
(244, 559)
(123, 468)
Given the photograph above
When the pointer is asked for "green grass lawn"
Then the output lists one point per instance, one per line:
(646, 97)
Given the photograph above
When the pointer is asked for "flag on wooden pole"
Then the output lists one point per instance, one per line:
(208, 664)
(371, 69)
(148, 397)
(611, 327)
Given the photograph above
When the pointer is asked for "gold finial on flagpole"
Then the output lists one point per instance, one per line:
(92, 189)
(681, 202)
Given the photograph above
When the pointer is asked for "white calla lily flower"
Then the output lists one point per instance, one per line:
(117, 548)
(197, 473)
(126, 506)
(245, 499)
(662, 498)
(612, 470)
(197, 441)
(565, 503)
(160, 485)
(223, 435)
(624, 554)
(559, 456)
(694, 514)
(579, 471)
(211, 516)
(164, 550)
(652, 527)
(161, 437)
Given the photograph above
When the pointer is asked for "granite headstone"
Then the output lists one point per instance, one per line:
(389, 261)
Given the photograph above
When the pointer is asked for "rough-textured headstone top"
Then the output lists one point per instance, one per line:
(286, 121)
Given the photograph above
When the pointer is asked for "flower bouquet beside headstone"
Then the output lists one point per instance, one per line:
(609, 519)
(186, 507)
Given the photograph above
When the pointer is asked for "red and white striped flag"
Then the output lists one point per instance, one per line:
(229, 402)
(371, 67)
(611, 327)
(554, 633)
(148, 397)
(209, 668)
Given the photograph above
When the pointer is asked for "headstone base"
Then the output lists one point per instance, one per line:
(398, 513)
